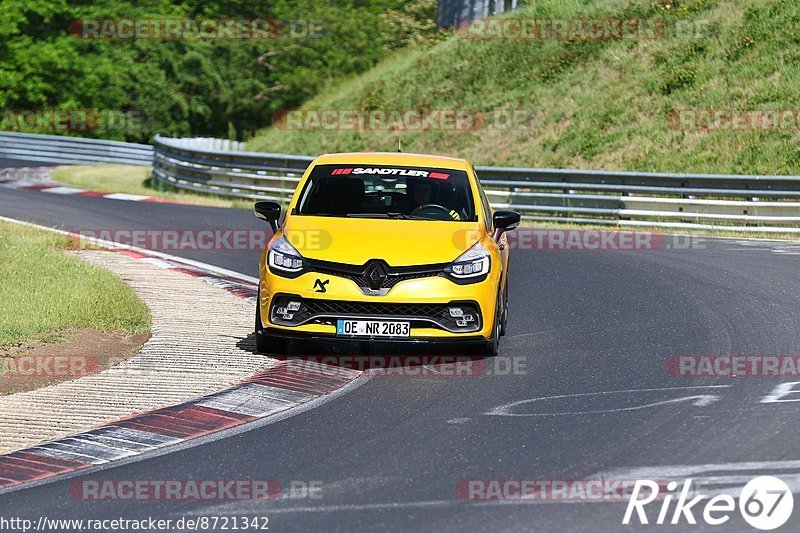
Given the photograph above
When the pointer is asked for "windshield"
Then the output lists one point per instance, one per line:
(410, 193)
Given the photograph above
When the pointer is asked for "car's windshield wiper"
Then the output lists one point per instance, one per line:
(320, 214)
(417, 217)
(378, 215)
(399, 216)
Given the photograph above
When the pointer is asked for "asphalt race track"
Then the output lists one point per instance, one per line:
(593, 330)
(19, 163)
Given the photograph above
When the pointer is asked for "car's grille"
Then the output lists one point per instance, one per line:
(375, 274)
(374, 309)
(389, 282)
(320, 311)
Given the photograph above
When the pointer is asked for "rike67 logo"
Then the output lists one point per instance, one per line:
(765, 503)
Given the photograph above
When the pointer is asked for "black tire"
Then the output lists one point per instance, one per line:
(268, 344)
(504, 321)
(492, 347)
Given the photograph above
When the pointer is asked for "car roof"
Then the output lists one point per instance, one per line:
(392, 158)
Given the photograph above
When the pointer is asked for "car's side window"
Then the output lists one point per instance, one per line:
(487, 209)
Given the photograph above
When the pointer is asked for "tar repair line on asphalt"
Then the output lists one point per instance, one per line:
(266, 397)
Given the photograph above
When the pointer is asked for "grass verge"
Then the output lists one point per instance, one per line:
(599, 104)
(44, 291)
(131, 179)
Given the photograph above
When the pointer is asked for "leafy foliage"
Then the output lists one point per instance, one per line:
(225, 88)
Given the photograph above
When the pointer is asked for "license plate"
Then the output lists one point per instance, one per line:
(373, 328)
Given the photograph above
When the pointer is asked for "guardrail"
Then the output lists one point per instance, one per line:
(254, 175)
(72, 150)
(209, 143)
(701, 201)
(220, 167)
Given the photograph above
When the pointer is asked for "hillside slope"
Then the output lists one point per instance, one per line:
(592, 103)
(251, 58)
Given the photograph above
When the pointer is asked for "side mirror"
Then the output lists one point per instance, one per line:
(505, 220)
(269, 212)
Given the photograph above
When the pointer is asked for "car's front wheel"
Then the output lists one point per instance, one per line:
(504, 321)
(493, 344)
(268, 344)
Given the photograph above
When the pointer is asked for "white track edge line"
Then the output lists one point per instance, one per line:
(117, 246)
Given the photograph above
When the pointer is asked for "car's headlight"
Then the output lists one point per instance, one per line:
(473, 263)
(283, 257)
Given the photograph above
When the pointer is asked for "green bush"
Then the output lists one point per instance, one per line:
(181, 87)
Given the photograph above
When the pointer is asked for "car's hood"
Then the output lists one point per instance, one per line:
(398, 242)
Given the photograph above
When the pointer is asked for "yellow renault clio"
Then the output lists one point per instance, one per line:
(385, 247)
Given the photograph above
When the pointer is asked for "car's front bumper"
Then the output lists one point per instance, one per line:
(424, 302)
(324, 339)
